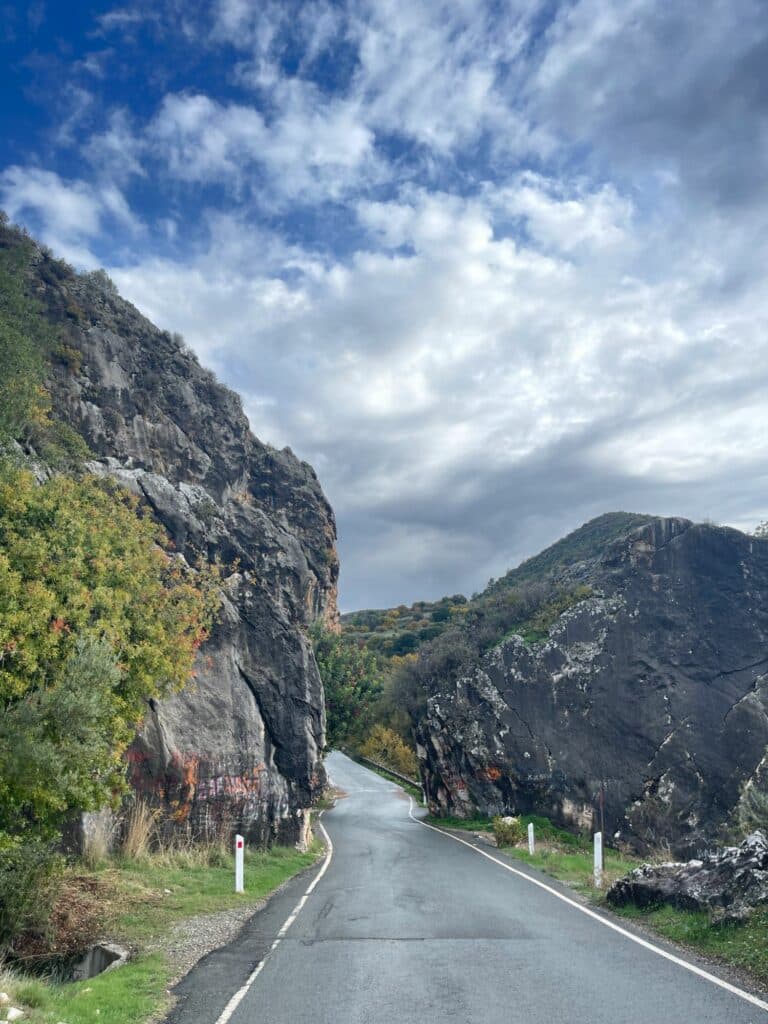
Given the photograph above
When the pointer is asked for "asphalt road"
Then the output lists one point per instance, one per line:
(407, 925)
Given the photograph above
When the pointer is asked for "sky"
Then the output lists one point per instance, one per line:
(492, 268)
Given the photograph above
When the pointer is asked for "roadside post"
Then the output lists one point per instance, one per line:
(239, 857)
(598, 860)
(531, 840)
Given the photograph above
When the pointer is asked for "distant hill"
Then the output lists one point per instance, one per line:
(585, 544)
(392, 632)
(397, 631)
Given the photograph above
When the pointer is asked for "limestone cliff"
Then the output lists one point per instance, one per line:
(242, 743)
(650, 695)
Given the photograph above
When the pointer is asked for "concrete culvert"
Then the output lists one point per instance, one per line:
(104, 956)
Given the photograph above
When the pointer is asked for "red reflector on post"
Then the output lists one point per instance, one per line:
(239, 844)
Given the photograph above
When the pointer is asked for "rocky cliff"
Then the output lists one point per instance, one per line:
(648, 697)
(242, 743)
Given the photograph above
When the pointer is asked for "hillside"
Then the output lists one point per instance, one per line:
(582, 545)
(392, 632)
(631, 692)
(403, 630)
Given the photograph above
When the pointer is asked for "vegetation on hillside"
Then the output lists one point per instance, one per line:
(396, 632)
(385, 747)
(352, 682)
(581, 545)
(427, 646)
(29, 343)
(96, 617)
(527, 601)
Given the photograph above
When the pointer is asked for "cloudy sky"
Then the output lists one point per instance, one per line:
(491, 267)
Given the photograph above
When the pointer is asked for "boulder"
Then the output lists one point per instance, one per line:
(729, 883)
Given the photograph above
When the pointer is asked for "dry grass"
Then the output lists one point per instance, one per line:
(98, 839)
(140, 831)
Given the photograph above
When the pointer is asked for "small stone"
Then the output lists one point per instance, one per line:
(168, 891)
(14, 1013)
(4, 998)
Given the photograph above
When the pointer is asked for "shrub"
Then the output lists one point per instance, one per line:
(386, 747)
(30, 876)
(95, 619)
(507, 830)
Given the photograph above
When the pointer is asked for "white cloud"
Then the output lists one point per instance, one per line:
(310, 150)
(205, 141)
(528, 285)
(568, 220)
(69, 213)
(116, 153)
(428, 382)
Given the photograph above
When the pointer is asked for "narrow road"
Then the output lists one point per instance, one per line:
(407, 925)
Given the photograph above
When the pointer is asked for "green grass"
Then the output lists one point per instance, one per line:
(195, 889)
(478, 824)
(740, 945)
(140, 912)
(131, 994)
(576, 867)
(543, 827)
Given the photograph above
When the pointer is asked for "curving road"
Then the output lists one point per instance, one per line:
(407, 925)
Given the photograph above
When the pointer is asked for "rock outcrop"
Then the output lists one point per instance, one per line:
(646, 708)
(728, 883)
(242, 743)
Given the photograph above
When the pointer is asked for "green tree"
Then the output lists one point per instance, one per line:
(351, 681)
(95, 618)
(58, 743)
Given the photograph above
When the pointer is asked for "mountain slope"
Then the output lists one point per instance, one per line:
(648, 695)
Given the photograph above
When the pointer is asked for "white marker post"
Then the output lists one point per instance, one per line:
(531, 839)
(598, 860)
(239, 857)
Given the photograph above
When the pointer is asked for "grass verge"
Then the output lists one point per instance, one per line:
(140, 902)
(544, 829)
(737, 945)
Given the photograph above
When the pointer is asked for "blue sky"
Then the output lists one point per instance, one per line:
(492, 268)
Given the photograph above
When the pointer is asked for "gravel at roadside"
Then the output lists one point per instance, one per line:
(191, 939)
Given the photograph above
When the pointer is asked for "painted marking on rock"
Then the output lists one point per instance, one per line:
(241, 993)
(741, 993)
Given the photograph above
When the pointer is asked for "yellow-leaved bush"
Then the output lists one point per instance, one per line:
(96, 617)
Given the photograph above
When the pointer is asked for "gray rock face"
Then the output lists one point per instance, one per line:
(241, 745)
(729, 883)
(651, 696)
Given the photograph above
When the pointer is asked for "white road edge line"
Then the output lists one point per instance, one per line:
(747, 996)
(241, 993)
